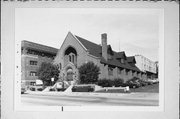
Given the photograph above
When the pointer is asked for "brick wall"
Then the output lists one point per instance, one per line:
(26, 68)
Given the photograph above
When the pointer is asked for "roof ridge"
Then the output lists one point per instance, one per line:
(25, 41)
(87, 40)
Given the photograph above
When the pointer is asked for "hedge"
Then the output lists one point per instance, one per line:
(111, 82)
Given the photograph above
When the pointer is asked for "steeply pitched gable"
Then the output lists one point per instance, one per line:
(93, 48)
(131, 59)
(96, 50)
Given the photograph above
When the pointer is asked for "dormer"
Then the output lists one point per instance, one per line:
(121, 57)
(131, 60)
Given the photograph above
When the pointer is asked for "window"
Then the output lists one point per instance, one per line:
(69, 58)
(126, 72)
(33, 62)
(122, 61)
(33, 73)
(109, 57)
(110, 70)
(149, 68)
(120, 70)
(73, 58)
(32, 83)
(22, 51)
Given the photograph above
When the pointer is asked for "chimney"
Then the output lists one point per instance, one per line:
(104, 45)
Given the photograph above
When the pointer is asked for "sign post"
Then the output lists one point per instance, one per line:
(52, 80)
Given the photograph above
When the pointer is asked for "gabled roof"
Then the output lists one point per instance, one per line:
(93, 48)
(39, 47)
(120, 55)
(131, 59)
(117, 63)
(96, 50)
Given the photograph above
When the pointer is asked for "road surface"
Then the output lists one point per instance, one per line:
(86, 99)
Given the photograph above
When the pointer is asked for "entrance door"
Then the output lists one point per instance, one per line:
(70, 75)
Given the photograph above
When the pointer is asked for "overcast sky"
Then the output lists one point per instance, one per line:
(132, 31)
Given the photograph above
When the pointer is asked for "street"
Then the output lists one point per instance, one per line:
(96, 99)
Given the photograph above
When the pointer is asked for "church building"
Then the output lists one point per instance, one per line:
(76, 51)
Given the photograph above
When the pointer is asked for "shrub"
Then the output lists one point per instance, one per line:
(143, 83)
(88, 73)
(134, 79)
(61, 89)
(105, 82)
(133, 83)
(85, 88)
(109, 83)
(118, 82)
(39, 89)
(52, 89)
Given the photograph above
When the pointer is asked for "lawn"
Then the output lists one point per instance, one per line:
(154, 88)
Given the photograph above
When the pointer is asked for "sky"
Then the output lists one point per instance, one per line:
(130, 30)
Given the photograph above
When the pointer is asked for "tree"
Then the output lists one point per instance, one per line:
(47, 71)
(88, 73)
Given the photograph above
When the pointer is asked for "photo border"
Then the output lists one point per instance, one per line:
(170, 105)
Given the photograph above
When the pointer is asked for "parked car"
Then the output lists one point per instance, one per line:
(36, 87)
(143, 83)
(23, 88)
(60, 86)
(134, 83)
(149, 82)
(154, 81)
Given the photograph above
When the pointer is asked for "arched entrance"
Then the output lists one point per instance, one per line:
(69, 74)
(70, 65)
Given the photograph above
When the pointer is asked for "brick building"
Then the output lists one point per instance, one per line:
(76, 50)
(32, 55)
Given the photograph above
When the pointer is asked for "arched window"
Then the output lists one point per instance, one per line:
(70, 55)
(70, 58)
